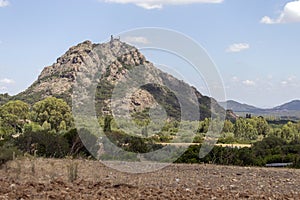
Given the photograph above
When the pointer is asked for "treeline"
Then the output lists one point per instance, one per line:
(47, 129)
(270, 150)
(241, 131)
(251, 130)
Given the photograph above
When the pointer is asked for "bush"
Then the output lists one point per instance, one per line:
(43, 144)
(198, 139)
(7, 153)
(83, 144)
(227, 138)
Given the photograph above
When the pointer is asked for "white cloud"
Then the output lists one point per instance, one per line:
(150, 6)
(7, 81)
(238, 47)
(235, 79)
(290, 14)
(158, 4)
(249, 83)
(267, 20)
(290, 81)
(4, 3)
(136, 40)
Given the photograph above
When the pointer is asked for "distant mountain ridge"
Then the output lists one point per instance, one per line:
(289, 109)
(293, 105)
(239, 107)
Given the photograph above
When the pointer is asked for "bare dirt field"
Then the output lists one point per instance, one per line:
(52, 179)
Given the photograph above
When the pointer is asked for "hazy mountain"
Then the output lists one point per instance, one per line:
(239, 107)
(287, 110)
(290, 106)
(115, 61)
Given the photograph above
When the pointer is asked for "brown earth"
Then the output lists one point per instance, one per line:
(51, 179)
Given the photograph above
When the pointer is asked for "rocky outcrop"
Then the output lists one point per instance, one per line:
(115, 63)
(57, 79)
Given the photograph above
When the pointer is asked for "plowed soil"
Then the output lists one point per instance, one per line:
(51, 179)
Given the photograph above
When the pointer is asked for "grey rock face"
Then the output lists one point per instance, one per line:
(109, 65)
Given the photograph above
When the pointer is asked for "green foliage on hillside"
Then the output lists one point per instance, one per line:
(166, 98)
(29, 96)
(4, 98)
(103, 92)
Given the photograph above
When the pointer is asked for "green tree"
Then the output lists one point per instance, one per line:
(203, 126)
(289, 131)
(54, 111)
(17, 108)
(13, 116)
(228, 127)
(245, 129)
(239, 128)
(262, 126)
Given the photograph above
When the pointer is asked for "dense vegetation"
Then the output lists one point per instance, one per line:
(270, 150)
(44, 129)
(47, 129)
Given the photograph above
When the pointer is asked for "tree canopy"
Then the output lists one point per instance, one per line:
(13, 116)
(54, 112)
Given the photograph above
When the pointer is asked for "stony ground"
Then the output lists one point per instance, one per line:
(52, 179)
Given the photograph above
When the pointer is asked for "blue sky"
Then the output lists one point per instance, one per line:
(254, 43)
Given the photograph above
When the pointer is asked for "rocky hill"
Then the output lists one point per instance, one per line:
(114, 61)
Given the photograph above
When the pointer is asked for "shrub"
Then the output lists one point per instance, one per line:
(83, 144)
(8, 153)
(43, 143)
